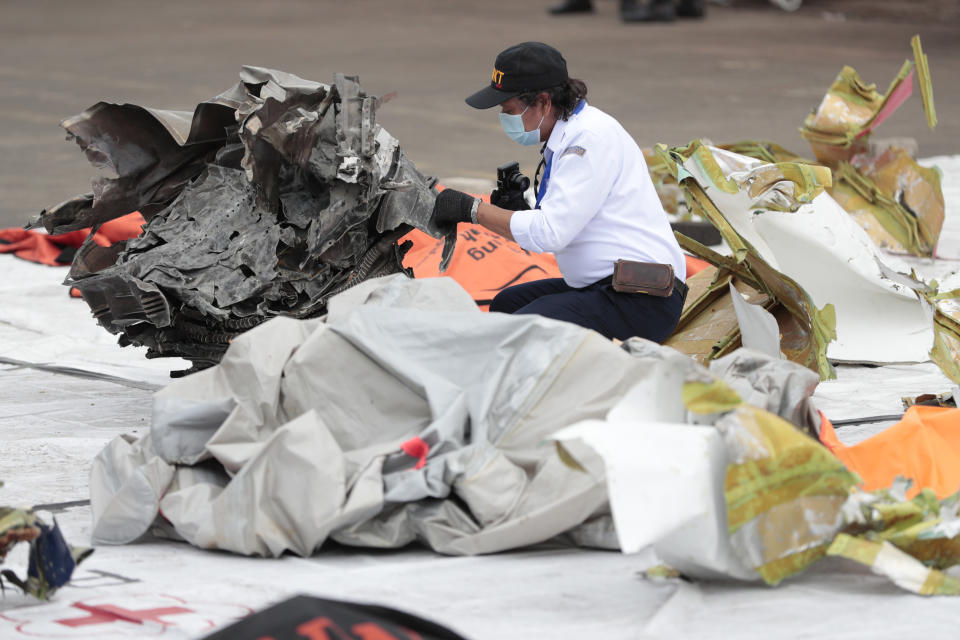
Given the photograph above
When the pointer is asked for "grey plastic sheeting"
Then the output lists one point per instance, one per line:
(298, 435)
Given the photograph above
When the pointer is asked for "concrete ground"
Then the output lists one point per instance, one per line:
(747, 70)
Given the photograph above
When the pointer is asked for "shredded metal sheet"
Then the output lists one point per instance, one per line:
(269, 199)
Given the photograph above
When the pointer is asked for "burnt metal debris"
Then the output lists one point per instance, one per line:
(266, 200)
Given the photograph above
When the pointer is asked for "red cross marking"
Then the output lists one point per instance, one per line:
(105, 613)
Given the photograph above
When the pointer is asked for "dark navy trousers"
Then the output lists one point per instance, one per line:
(596, 306)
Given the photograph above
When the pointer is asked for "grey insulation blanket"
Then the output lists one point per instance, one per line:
(313, 429)
(404, 415)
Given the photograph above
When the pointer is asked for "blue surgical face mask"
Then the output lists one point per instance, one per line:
(513, 127)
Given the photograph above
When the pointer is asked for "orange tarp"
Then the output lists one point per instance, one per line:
(46, 249)
(483, 262)
(923, 446)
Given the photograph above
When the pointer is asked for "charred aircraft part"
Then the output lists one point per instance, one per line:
(153, 153)
(299, 196)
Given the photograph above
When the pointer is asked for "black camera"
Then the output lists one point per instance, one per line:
(511, 185)
(510, 179)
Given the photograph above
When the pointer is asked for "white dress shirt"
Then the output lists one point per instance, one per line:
(600, 204)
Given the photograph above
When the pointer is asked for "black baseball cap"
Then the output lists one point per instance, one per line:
(528, 66)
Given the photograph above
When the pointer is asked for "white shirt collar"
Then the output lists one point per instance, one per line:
(555, 141)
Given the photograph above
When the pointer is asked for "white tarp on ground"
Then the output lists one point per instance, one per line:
(52, 424)
(42, 325)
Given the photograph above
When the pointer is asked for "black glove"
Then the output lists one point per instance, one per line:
(451, 207)
(512, 200)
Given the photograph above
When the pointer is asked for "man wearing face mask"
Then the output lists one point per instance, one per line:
(596, 205)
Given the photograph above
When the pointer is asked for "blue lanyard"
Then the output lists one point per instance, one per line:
(542, 191)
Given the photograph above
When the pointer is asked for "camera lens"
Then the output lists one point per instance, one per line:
(520, 182)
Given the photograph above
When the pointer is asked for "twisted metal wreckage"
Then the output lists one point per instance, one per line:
(786, 219)
(266, 200)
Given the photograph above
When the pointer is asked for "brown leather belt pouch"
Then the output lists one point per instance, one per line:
(651, 278)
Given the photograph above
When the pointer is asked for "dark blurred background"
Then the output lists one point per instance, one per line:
(748, 70)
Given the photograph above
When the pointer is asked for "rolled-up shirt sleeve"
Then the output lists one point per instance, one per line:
(581, 176)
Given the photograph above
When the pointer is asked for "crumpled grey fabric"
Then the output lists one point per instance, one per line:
(777, 385)
(305, 423)
(404, 415)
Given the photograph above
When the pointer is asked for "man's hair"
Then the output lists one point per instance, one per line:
(564, 97)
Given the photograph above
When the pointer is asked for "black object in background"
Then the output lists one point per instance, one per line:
(309, 618)
(700, 230)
